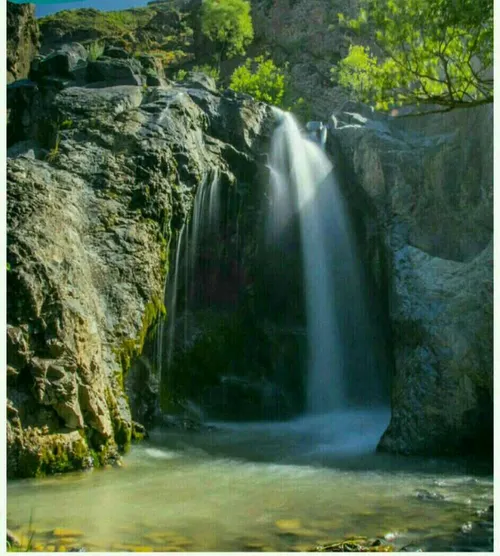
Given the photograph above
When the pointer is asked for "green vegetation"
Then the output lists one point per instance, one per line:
(437, 52)
(95, 50)
(260, 78)
(132, 347)
(228, 24)
(54, 152)
(209, 70)
(180, 75)
(109, 24)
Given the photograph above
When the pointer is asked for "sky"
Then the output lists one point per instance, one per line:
(45, 8)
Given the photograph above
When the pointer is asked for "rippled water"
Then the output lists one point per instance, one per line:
(281, 487)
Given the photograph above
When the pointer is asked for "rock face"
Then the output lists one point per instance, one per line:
(22, 40)
(99, 184)
(425, 186)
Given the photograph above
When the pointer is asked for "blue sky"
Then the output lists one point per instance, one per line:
(50, 8)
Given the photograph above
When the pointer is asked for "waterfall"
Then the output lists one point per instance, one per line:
(203, 223)
(302, 184)
(173, 301)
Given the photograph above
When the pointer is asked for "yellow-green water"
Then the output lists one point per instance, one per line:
(254, 487)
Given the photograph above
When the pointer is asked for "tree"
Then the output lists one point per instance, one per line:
(423, 52)
(260, 78)
(228, 24)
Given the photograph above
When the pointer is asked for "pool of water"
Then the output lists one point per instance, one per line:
(265, 486)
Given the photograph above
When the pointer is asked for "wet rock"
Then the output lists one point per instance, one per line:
(61, 532)
(434, 258)
(466, 527)
(427, 495)
(361, 544)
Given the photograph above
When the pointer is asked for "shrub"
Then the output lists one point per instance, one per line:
(228, 25)
(260, 78)
(96, 50)
(209, 70)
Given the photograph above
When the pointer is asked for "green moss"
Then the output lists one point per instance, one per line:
(132, 347)
(57, 457)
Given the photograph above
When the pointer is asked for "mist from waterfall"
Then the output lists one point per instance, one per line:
(303, 184)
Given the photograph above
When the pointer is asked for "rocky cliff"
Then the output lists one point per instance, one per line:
(424, 187)
(100, 181)
(22, 39)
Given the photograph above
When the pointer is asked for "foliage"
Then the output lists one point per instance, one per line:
(209, 70)
(260, 78)
(228, 24)
(113, 23)
(54, 152)
(180, 75)
(9, 268)
(96, 50)
(438, 52)
(168, 57)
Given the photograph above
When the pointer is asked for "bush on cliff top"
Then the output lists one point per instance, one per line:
(260, 78)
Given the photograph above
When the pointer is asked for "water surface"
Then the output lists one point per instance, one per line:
(262, 486)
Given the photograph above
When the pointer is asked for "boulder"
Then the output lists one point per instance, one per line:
(63, 62)
(114, 71)
(116, 52)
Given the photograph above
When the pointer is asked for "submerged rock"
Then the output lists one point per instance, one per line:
(426, 495)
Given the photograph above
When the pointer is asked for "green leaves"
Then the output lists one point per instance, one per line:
(260, 78)
(228, 24)
(438, 52)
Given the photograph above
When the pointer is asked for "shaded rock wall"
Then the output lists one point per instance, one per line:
(425, 189)
(22, 39)
(94, 205)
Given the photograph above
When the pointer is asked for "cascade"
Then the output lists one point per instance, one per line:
(203, 222)
(303, 185)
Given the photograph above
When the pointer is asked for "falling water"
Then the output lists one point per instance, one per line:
(302, 183)
(173, 300)
(204, 219)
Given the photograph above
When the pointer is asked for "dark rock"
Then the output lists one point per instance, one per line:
(153, 81)
(242, 399)
(426, 495)
(115, 71)
(61, 63)
(115, 52)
